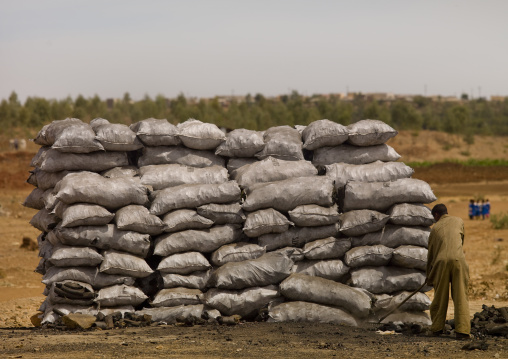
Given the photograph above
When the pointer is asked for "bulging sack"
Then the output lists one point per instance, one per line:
(111, 193)
(395, 236)
(409, 318)
(194, 195)
(288, 194)
(196, 280)
(379, 280)
(115, 136)
(199, 135)
(83, 214)
(380, 196)
(138, 219)
(50, 132)
(369, 133)
(172, 315)
(297, 236)
(118, 295)
(309, 312)
(184, 263)
(222, 213)
(75, 256)
(354, 155)
(322, 133)
(56, 161)
(409, 214)
(377, 255)
(78, 138)
(205, 240)
(236, 252)
(90, 275)
(265, 221)
(328, 292)
(270, 268)
(172, 297)
(183, 219)
(245, 303)
(327, 248)
(235, 163)
(312, 215)
(377, 171)
(359, 222)
(155, 132)
(124, 264)
(282, 142)
(241, 143)
(410, 257)
(272, 169)
(333, 269)
(161, 155)
(172, 175)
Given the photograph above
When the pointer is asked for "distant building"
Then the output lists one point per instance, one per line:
(498, 98)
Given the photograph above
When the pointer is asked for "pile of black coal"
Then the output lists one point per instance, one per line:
(491, 321)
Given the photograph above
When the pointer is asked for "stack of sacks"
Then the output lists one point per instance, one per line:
(384, 216)
(198, 204)
(87, 260)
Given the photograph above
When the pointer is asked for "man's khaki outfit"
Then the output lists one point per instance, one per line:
(446, 264)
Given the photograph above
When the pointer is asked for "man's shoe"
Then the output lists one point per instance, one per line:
(461, 336)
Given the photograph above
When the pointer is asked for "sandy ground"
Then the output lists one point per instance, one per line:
(20, 296)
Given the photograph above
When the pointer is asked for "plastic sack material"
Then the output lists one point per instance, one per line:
(245, 303)
(272, 169)
(333, 269)
(111, 193)
(297, 236)
(354, 155)
(380, 196)
(194, 195)
(370, 133)
(288, 194)
(123, 171)
(44, 221)
(75, 256)
(172, 315)
(138, 219)
(199, 135)
(118, 295)
(179, 155)
(362, 221)
(408, 318)
(417, 303)
(172, 175)
(408, 214)
(312, 215)
(236, 252)
(83, 214)
(90, 275)
(104, 237)
(241, 143)
(173, 297)
(377, 171)
(389, 279)
(327, 248)
(78, 138)
(307, 288)
(183, 219)
(270, 268)
(300, 311)
(196, 280)
(124, 264)
(184, 263)
(265, 221)
(322, 133)
(50, 132)
(46, 180)
(235, 163)
(394, 236)
(205, 240)
(282, 142)
(155, 132)
(115, 136)
(35, 199)
(377, 255)
(56, 161)
(410, 257)
(222, 213)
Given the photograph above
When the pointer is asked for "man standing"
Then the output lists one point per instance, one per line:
(446, 264)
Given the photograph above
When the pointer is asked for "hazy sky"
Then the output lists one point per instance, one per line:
(56, 48)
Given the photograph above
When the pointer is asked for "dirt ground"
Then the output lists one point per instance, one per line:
(20, 293)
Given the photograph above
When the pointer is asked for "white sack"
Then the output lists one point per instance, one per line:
(46, 180)
(370, 132)
(362, 221)
(394, 236)
(199, 135)
(236, 252)
(333, 269)
(270, 268)
(205, 240)
(118, 295)
(297, 236)
(236, 163)
(265, 221)
(124, 264)
(241, 143)
(138, 219)
(222, 213)
(245, 303)
(56, 161)
(115, 136)
(282, 142)
(172, 175)
(322, 133)
(75, 257)
(88, 275)
(310, 313)
(410, 257)
(288, 194)
(196, 280)
(408, 214)
(354, 155)
(306, 288)
(50, 132)
(173, 297)
(184, 263)
(409, 318)
(122, 171)
(83, 214)
(111, 193)
(312, 215)
(194, 195)
(155, 132)
(179, 155)
(172, 315)
(377, 255)
(44, 221)
(380, 196)
(387, 279)
(327, 248)
(183, 219)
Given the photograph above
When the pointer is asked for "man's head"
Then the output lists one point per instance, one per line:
(438, 211)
